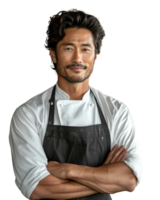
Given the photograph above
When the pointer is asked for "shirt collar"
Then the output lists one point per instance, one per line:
(62, 95)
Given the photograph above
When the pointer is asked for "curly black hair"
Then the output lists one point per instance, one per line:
(71, 19)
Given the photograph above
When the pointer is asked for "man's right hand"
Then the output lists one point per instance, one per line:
(116, 155)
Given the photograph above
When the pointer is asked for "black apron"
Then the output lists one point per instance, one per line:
(87, 145)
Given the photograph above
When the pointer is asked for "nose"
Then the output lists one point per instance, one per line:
(77, 56)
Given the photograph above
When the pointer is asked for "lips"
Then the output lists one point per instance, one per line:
(76, 67)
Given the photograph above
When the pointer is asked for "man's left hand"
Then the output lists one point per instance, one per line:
(59, 170)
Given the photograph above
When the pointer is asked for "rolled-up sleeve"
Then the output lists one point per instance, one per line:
(28, 157)
(125, 134)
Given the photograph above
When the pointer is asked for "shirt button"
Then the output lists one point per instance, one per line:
(61, 105)
(91, 104)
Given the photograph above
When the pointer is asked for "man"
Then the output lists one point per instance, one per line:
(63, 141)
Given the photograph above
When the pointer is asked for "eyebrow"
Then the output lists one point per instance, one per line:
(72, 44)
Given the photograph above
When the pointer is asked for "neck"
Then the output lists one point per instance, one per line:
(74, 90)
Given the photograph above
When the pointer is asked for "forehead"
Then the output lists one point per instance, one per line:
(75, 35)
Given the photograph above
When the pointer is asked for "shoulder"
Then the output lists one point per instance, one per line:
(34, 106)
(110, 104)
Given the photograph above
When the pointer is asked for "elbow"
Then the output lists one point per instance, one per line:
(132, 190)
(33, 196)
(133, 184)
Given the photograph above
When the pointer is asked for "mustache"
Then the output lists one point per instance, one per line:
(77, 65)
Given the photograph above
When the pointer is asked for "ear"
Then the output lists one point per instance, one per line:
(53, 55)
(96, 59)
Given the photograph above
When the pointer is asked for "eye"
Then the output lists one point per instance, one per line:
(86, 49)
(68, 48)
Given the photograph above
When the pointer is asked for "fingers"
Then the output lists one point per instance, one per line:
(110, 155)
(119, 155)
(116, 155)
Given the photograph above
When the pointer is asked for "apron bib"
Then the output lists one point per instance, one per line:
(88, 145)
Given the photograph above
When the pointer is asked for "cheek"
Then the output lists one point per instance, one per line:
(65, 57)
(88, 58)
(62, 61)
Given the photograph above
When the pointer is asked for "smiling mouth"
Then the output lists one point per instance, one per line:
(76, 67)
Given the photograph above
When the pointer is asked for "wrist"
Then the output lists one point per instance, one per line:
(70, 170)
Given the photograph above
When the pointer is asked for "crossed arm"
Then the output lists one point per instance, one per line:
(110, 178)
(73, 181)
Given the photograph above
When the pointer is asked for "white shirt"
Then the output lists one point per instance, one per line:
(29, 123)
